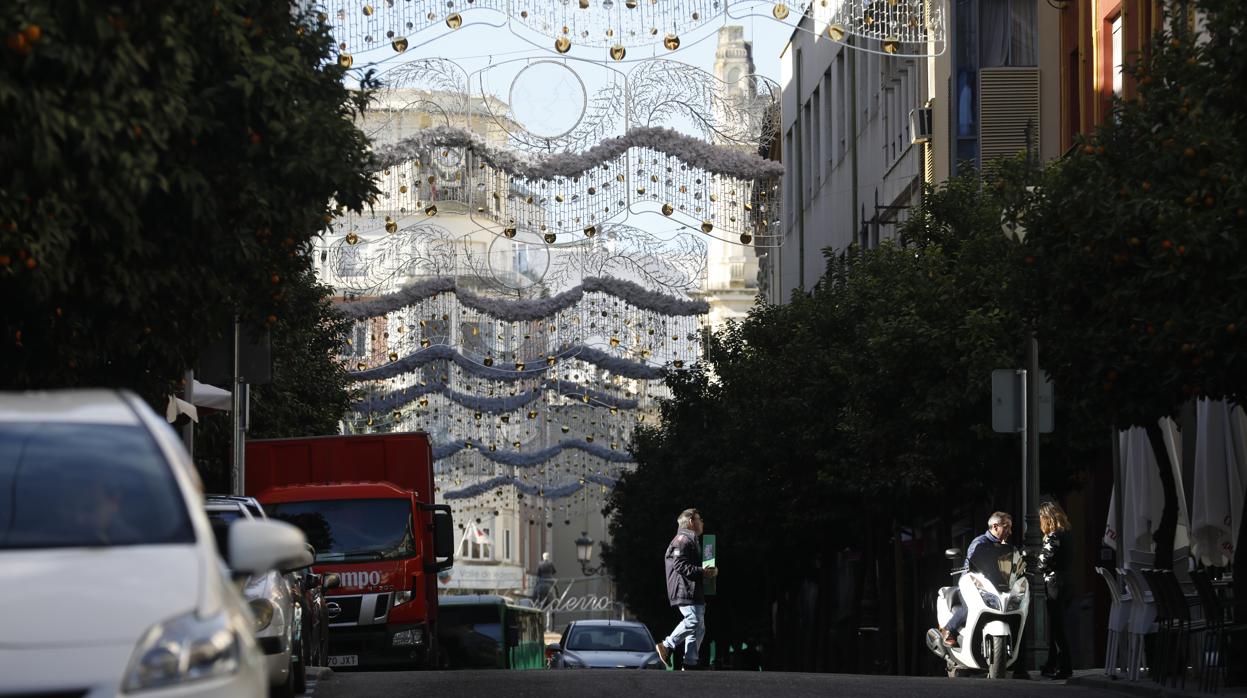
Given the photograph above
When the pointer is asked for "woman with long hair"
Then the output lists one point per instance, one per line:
(1054, 569)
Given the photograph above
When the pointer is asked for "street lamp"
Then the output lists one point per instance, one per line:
(584, 554)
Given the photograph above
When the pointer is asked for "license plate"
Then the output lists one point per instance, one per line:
(343, 660)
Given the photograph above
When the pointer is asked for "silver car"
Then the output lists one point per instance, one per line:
(604, 644)
(269, 596)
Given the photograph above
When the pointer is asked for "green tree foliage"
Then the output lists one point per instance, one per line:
(1135, 242)
(818, 424)
(165, 163)
(310, 390)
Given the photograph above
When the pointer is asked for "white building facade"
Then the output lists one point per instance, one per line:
(858, 146)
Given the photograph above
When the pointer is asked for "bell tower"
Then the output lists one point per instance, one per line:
(733, 60)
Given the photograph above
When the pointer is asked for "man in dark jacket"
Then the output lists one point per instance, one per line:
(684, 589)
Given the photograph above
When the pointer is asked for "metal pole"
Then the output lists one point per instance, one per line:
(238, 472)
(1030, 489)
(188, 430)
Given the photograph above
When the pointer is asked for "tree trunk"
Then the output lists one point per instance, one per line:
(1168, 526)
(898, 581)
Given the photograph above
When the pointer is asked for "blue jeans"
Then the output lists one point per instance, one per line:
(690, 631)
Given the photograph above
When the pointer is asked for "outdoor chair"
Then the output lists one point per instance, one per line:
(1142, 621)
(1218, 626)
(1180, 627)
(1118, 620)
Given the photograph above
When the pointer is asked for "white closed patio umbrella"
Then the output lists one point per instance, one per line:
(1144, 499)
(1220, 472)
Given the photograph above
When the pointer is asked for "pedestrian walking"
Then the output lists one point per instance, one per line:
(685, 577)
(545, 580)
(1053, 568)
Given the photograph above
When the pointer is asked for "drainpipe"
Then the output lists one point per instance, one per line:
(852, 67)
(798, 150)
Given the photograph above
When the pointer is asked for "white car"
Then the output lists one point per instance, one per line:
(112, 582)
(269, 597)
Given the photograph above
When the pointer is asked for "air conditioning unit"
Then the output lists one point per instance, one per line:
(920, 125)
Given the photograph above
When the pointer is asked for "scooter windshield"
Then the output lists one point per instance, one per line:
(1000, 563)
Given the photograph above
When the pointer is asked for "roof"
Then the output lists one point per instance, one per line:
(337, 490)
(95, 406)
(606, 622)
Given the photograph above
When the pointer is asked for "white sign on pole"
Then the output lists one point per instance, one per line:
(1007, 407)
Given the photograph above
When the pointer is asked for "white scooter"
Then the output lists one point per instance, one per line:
(997, 597)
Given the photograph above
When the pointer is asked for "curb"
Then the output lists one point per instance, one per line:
(320, 673)
(1144, 687)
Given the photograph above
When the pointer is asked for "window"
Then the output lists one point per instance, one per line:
(350, 261)
(352, 530)
(97, 485)
(842, 114)
(1116, 59)
(808, 188)
(476, 543)
(829, 148)
(816, 139)
(506, 545)
(355, 344)
(987, 34)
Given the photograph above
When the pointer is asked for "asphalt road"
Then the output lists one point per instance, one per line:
(711, 684)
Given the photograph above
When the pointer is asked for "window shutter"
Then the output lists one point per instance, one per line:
(1008, 109)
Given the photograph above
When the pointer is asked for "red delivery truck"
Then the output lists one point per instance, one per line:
(366, 505)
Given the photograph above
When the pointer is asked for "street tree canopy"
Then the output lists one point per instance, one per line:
(166, 164)
(1134, 243)
(821, 423)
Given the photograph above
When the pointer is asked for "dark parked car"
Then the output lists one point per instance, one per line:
(604, 644)
(309, 590)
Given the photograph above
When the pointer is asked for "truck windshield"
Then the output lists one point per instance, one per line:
(70, 484)
(351, 529)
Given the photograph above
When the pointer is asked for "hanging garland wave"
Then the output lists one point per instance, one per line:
(527, 488)
(520, 310)
(442, 352)
(717, 159)
(529, 460)
(491, 405)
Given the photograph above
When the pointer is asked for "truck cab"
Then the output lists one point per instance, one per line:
(366, 505)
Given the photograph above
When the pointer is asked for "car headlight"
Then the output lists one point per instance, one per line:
(402, 597)
(572, 662)
(262, 609)
(407, 637)
(183, 649)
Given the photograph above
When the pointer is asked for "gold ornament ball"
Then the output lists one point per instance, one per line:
(780, 11)
(509, 231)
(745, 238)
(562, 44)
(891, 44)
(391, 227)
(400, 44)
(550, 238)
(667, 209)
(618, 52)
(430, 210)
(345, 60)
(707, 226)
(671, 42)
(454, 20)
(836, 31)
(591, 231)
(352, 239)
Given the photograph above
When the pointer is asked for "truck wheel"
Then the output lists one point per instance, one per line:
(997, 656)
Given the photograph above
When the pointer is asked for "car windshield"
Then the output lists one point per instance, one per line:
(351, 529)
(610, 639)
(68, 485)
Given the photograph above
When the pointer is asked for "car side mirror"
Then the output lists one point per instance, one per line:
(952, 553)
(331, 581)
(257, 546)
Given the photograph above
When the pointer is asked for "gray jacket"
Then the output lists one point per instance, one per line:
(684, 572)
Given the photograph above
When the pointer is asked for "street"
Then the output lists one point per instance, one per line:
(606, 684)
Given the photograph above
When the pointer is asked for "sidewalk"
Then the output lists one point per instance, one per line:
(1097, 680)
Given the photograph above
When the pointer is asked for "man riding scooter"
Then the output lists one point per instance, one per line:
(999, 526)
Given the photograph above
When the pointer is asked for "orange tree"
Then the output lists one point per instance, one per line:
(1136, 242)
(166, 163)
